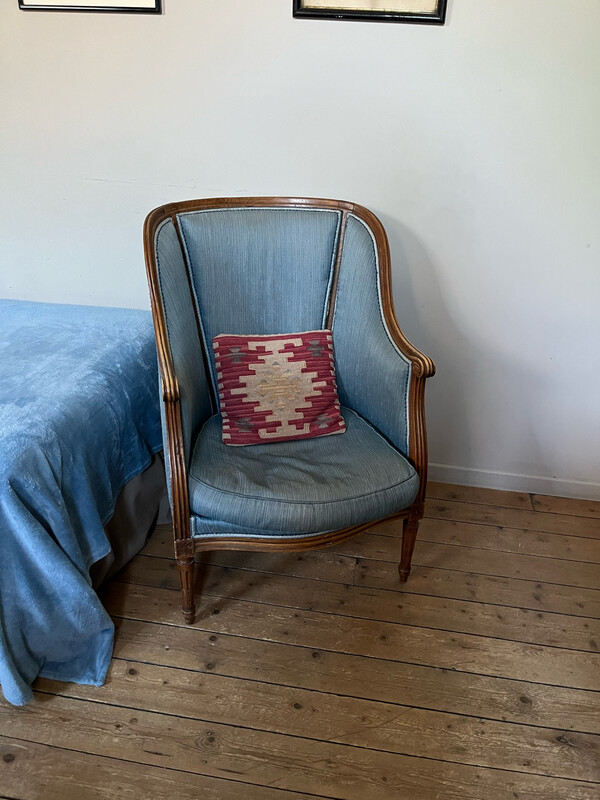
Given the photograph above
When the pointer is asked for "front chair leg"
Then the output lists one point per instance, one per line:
(185, 567)
(409, 537)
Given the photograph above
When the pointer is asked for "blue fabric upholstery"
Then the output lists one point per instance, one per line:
(372, 375)
(260, 271)
(204, 527)
(185, 345)
(299, 487)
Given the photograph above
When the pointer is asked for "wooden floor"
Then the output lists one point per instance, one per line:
(319, 676)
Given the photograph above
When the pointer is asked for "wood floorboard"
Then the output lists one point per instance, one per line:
(514, 592)
(516, 624)
(471, 494)
(431, 647)
(318, 675)
(512, 518)
(507, 565)
(551, 586)
(500, 539)
(384, 542)
(370, 678)
(47, 772)
(454, 579)
(563, 505)
(320, 716)
(40, 771)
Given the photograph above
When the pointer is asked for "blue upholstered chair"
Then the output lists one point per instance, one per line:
(283, 265)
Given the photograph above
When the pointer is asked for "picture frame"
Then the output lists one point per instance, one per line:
(427, 12)
(105, 6)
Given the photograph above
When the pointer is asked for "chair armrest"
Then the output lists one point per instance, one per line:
(422, 367)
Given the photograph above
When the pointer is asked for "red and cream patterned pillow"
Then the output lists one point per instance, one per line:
(277, 388)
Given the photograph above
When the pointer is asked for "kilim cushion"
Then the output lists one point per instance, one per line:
(277, 388)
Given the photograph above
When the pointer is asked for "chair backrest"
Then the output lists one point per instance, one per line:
(260, 270)
(281, 265)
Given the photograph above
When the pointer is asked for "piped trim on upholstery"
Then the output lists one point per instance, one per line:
(247, 533)
(186, 255)
(334, 254)
(158, 263)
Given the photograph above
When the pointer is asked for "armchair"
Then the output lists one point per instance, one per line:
(273, 265)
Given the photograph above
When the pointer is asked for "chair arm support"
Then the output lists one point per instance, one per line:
(417, 441)
(176, 462)
(423, 367)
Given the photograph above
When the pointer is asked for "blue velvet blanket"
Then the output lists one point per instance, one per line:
(79, 417)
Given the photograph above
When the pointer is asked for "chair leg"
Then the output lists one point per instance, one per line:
(185, 567)
(409, 537)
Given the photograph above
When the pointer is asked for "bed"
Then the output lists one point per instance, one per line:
(81, 481)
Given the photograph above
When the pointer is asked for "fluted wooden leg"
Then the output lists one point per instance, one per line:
(185, 567)
(409, 537)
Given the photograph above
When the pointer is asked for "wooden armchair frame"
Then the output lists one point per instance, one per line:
(423, 367)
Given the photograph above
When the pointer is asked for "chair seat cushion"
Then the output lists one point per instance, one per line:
(303, 486)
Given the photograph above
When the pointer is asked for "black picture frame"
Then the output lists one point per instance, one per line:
(330, 9)
(101, 6)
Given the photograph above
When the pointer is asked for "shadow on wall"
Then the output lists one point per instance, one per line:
(482, 406)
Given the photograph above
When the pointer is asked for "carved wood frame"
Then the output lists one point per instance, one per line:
(422, 368)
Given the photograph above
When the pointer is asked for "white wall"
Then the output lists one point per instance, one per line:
(477, 143)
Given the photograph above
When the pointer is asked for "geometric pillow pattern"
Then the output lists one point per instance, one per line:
(278, 387)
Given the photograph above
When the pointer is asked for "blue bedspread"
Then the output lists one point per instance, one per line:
(79, 417)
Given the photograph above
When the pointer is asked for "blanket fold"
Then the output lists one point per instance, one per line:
(79, 417)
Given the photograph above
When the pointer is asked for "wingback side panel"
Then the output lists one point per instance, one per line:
(260, 270)
(182, 330)
(373, 377)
